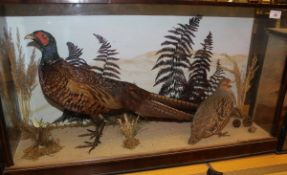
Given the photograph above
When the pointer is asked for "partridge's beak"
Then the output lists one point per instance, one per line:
(30, 36)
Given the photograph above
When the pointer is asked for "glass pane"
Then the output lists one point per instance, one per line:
(162, 78)
(274, 61)
(7, 89)
(284, 112)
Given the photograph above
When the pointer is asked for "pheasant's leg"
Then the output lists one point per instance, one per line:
(94, 134)
(99, 131)
(223, 134)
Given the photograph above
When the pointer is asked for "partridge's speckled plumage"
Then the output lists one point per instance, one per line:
(213, 114)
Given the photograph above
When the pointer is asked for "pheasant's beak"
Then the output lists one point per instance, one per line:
(34, 42)
(30, 36)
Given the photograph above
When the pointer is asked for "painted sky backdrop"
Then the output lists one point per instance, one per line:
(134, 35)
(135, 38)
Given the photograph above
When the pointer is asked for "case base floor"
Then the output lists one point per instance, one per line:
(155, 137)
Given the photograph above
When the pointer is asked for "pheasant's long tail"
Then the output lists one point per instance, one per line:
(155, 109)
(178, 104)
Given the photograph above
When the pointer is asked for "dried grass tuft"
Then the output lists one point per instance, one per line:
(23, 76)
(35, 152)
(129, 127)
(7, 62)
(243, 85)
(43, 142)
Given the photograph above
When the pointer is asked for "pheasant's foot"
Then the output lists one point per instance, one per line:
(91, 145)
(223, 134)
(93, 134)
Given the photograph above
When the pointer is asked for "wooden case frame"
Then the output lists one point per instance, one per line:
(149, 161)
(282, 136)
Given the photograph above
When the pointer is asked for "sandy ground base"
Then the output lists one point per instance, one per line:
(155, 137)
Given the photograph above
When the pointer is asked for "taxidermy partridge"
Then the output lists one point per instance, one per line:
(80, 90)
(213, 113)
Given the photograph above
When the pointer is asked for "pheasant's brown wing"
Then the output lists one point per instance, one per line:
(94, 100)
(74, 89)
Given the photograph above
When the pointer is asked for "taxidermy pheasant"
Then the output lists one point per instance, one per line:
(80, 90)
(213, 113)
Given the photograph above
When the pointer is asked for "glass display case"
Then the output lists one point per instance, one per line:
(99, 87)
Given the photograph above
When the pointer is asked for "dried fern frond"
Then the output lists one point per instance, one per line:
(175, 55)
(106, 54)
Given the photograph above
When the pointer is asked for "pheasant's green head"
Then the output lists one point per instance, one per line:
(41, 38)
(46, 43)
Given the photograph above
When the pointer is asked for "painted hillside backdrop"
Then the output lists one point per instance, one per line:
(181, 57)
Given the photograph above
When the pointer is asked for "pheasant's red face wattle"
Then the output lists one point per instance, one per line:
(42, 38)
